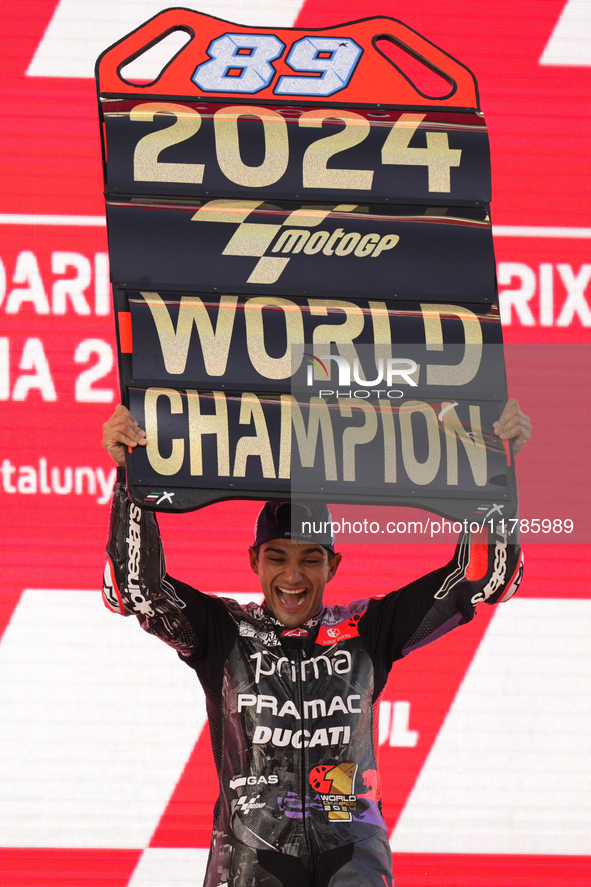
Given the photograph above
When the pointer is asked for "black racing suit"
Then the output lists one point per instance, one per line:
(291, 712)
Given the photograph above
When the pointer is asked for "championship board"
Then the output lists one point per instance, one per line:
(303, 268)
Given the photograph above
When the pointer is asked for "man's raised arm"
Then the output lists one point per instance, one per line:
(135, 580)
(486, 567)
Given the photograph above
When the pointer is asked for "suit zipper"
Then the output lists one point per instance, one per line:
(300, 691)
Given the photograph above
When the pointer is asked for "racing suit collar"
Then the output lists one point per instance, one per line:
(310, 627)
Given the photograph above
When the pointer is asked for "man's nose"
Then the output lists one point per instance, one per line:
(292, 573)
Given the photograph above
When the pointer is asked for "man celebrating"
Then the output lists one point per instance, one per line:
(291, 686)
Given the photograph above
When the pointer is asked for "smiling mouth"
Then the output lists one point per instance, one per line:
(291, 597)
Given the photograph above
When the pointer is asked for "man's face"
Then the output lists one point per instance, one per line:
(293, 576)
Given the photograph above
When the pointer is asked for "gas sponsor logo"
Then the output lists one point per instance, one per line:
(140, 603)
(241, 781)
(339, 663)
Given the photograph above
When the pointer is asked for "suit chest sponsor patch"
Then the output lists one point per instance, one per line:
(342, 631)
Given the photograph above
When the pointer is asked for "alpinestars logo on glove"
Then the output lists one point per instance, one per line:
(134, 539)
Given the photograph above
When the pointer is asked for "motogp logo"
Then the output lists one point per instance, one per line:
(292, 236)
(245, 804)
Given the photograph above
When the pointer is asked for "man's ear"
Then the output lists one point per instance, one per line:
(334, 565)
(254, 560)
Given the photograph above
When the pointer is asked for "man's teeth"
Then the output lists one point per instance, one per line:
(292, 592)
